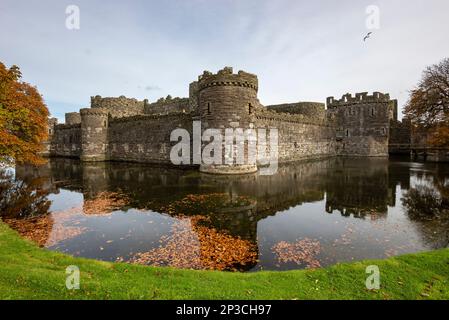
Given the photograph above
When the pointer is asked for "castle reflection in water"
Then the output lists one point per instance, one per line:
(356, 188)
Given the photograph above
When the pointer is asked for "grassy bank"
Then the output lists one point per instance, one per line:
(28, 272)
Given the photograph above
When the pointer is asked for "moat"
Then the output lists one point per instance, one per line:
(307, 215)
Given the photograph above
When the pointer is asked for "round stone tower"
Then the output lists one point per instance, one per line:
(94, 134)
(227, 100)
(72, 118)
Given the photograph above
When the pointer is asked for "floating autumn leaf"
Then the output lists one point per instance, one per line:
(105, 202)
(195, 246)
(36, 229)
(68, 215)
(61, 233)
(300, 252)
(50, 229)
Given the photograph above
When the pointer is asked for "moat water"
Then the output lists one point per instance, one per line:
(307, 215)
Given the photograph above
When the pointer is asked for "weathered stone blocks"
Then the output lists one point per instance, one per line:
(94, 134)
(126, 129)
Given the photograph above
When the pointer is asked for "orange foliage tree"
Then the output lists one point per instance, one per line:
(428, 105)
(23, 119)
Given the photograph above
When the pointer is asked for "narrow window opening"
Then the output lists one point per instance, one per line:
(347, 132)
(208, 108)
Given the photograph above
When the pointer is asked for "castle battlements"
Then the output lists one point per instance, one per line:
(128, 129)
(362, 97)
(94, 112)
(112, 102)
(168, 99)
(118, 106)
(226, 77)
(143, 117)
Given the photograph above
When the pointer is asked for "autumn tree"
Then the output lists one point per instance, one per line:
(23, 119)
(428, 105)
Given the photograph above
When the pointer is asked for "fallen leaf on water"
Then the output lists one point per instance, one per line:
(105, 202)
(301, 251)
(193, 245)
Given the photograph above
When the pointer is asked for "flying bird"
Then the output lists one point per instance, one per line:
(367, 36)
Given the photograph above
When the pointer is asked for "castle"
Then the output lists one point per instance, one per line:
(125, 129)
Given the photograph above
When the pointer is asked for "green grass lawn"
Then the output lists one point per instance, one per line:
(28, 272)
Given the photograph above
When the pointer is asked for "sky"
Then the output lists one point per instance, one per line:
(300, 50)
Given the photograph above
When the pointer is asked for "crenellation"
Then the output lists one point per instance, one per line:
(118, 106)
(362, 97)
(127, 129)
(143, 117)
(168, 105)
(362, 123)
(226, 77)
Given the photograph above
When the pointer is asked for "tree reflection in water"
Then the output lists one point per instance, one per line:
(423, 202)
(428, 207)
(25, 207)
(20, 199)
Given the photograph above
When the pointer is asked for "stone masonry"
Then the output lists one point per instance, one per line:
(125, 129)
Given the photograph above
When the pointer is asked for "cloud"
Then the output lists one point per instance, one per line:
(300, 50)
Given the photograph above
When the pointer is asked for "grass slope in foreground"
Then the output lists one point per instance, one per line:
(28, 272)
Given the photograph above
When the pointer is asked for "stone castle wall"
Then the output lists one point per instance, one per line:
(66, 141)
(312, 110)
(124, 129)
(119, 107)
(51, 124)
(73, 118)
(362, 123)
(400, 137)
(167, 106)
(300, 137)
(145, 138)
